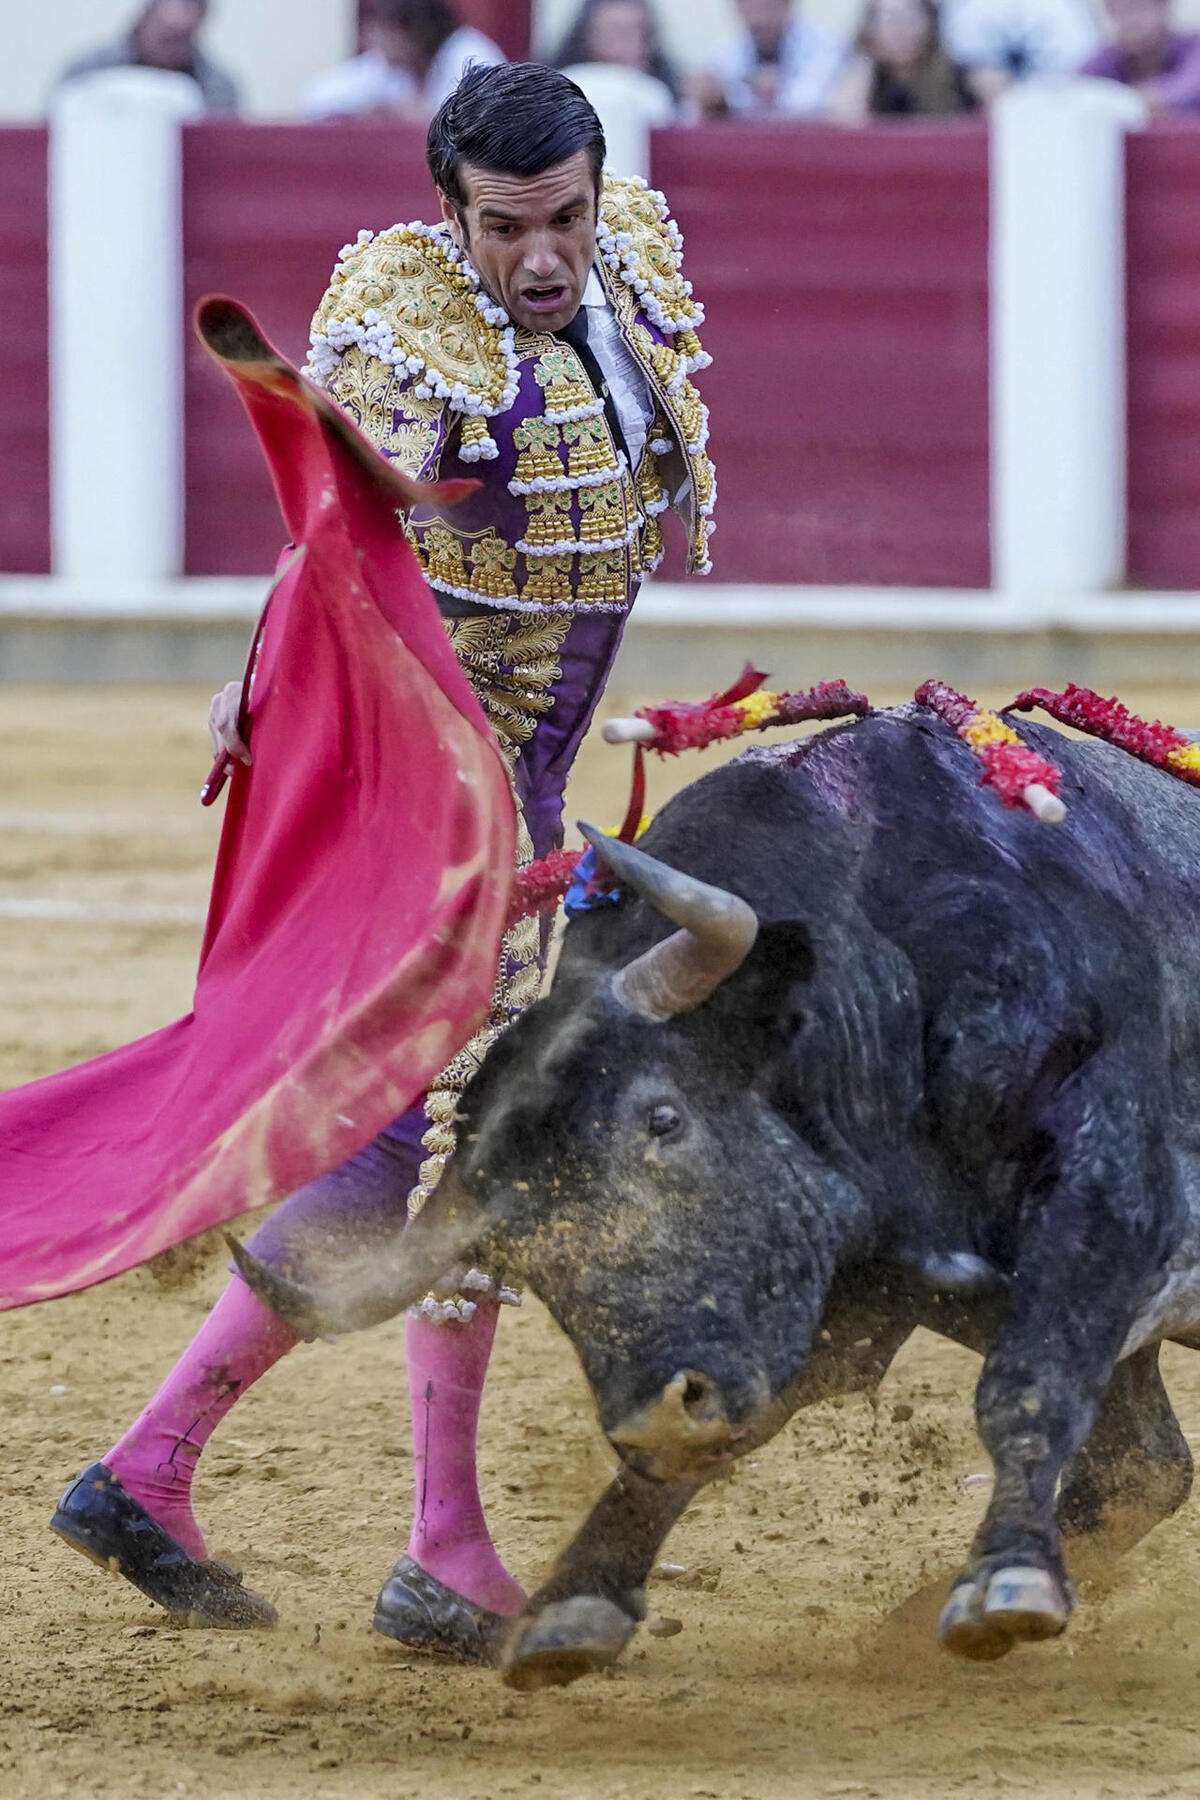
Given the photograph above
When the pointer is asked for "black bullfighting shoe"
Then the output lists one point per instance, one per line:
(98, 1517)
(417, 1610)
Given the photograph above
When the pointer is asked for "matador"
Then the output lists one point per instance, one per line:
(540, 338)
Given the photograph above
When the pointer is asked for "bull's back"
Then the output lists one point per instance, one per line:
(1121, 873)
(1132, 830)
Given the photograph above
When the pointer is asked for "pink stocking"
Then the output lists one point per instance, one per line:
(450, 1539)
(156, 1459)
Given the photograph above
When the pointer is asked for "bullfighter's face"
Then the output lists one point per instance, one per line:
(531, 239)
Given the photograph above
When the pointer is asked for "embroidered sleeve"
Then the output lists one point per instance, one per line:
(384, 404)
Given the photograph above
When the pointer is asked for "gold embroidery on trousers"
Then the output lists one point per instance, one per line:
(511, 662)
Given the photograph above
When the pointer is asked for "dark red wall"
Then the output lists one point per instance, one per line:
(266, 209)
(1163, 284)
(24, 420)
(844, 277)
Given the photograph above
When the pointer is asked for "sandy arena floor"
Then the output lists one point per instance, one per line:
(803, 1669)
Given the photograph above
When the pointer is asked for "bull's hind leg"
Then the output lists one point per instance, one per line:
(581, 1619)
(1134, 1470)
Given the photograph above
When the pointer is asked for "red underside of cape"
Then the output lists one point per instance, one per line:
(357, 904)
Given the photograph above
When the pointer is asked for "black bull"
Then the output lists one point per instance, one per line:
(939, 1069)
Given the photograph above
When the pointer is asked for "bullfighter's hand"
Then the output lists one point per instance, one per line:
(223, 723)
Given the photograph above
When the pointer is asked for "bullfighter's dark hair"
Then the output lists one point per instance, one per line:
(517, 119)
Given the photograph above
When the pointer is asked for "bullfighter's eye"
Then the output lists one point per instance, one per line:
(663, 1121)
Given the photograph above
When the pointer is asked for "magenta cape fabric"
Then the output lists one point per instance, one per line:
(357, 905)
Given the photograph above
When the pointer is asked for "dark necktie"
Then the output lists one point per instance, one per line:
(576, 334)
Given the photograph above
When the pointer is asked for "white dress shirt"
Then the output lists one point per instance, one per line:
(627, 384)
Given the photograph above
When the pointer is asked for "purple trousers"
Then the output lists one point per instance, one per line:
(538, 677)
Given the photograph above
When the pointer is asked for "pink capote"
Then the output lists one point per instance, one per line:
(357, 904)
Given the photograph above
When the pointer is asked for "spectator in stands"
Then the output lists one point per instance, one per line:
(899, 66)
(165, 36)
(623, 33)
(778, 64)
(413, 56)
(1163, 65)
(1002, 41)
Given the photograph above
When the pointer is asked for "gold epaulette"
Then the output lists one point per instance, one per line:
(642, 248)
(410, 298)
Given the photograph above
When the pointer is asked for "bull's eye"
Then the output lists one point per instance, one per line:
(663, 1121)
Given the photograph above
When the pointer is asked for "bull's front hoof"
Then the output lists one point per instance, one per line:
(1028, 1603)
(563, 1641)
(983, 1619)
(964, 1627)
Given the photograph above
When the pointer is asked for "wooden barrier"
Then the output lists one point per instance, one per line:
(844, 275)
(1163, 285)
(24, 307)
(266, 208)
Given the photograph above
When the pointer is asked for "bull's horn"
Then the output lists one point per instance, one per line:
(718, 933)
(364, 1288)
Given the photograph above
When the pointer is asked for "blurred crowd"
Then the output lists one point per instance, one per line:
(906, 57)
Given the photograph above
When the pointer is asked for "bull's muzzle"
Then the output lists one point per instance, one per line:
(682, 1434)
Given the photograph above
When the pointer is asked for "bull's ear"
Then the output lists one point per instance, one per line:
(770, 986)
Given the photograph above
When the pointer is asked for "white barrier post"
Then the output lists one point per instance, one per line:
(116, 325)
(1058, 335)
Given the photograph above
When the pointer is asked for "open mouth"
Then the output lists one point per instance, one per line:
(550, 298)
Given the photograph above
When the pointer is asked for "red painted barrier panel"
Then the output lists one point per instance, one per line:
(1163, 330)
(266, 208)
(844, 276)
(24, 305)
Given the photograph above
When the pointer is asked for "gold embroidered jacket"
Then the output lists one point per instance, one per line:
(434, 373)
